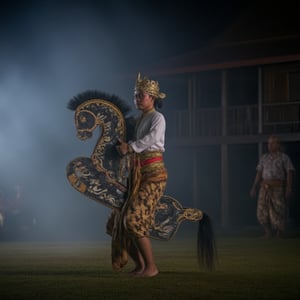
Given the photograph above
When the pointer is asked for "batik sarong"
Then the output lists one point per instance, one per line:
(271, 206)
(146, 186)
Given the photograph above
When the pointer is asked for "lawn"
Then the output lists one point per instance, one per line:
(247, 268)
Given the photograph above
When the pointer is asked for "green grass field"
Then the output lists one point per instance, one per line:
(248, 268)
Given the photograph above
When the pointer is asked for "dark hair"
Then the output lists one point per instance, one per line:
(158, 103)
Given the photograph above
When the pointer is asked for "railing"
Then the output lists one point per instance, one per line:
(208, 122)
(281, 117)
(240, 120)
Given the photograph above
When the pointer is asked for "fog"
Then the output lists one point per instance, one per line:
(53, 50)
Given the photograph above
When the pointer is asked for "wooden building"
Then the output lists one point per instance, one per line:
(224, 101)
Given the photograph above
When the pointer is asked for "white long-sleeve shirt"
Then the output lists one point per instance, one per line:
(150, 133)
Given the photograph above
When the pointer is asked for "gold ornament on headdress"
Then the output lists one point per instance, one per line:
(148, 86)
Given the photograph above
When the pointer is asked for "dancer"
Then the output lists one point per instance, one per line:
(148, 178)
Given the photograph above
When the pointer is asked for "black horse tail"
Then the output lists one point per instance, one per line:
(206, 246)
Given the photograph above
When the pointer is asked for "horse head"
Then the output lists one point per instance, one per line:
(86, 123)
(103, 176)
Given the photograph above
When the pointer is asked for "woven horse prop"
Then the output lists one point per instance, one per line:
(103, 176)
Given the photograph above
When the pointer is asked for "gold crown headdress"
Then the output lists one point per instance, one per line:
(148, 86)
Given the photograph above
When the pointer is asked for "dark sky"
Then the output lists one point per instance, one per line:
(138, 30)
(52, 50)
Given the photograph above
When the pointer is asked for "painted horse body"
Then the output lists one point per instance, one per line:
(103, 176)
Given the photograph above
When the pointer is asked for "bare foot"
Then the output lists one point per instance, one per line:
(279, 234)
(148, 272)
(137, 271)
(267, 235)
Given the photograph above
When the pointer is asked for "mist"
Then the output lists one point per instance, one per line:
(50, 52)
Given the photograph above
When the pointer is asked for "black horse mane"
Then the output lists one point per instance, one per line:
(88, 95)
(117, 101)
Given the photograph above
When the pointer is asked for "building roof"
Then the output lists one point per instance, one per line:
(261, 35)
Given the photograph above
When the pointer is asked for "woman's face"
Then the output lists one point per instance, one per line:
(143, 101)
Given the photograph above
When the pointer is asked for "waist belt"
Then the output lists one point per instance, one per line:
(144, 162)
(149, 162)
(273, 183)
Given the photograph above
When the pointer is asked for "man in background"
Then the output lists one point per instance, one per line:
(274, 178)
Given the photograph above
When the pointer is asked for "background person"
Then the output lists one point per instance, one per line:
(274, 178)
